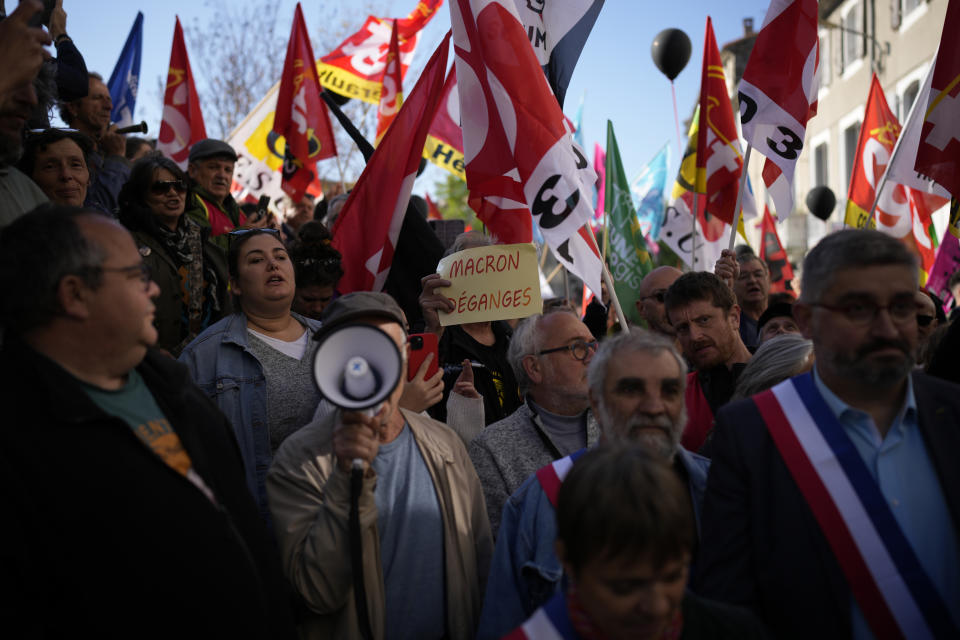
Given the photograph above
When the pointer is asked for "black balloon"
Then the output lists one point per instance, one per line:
(671, 52)
(821, 202)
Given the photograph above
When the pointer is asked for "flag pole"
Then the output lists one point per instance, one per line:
(876, 200)
(605, 275)
(693, 232)
(676, 119)
(743, 182)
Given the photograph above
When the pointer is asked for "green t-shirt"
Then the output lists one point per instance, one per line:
(135, 405)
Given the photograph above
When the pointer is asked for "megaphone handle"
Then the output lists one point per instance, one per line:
(372, 411)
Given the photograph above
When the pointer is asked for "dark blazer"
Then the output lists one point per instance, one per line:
(100, 538)
(761, 546)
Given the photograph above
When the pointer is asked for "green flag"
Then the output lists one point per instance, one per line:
(627, 254)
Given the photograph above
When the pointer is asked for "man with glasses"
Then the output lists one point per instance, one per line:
(833, 503)
(636, 390)
(122, 483)
(650, 305)
(549, 355)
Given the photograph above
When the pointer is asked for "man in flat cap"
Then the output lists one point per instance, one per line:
(426, 542)
(209, 202)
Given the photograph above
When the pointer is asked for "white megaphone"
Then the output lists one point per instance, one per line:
(356, 368)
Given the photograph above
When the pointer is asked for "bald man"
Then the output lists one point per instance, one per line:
(650, 304)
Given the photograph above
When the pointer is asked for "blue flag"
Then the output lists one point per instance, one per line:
(126, 76)
(648, 189)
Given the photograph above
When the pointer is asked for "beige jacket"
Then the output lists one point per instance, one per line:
(310, 502)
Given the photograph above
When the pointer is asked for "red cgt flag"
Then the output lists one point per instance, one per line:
(391, 93)
(938, 156)
(778, 93)
(367, 229)
(718, 147)
(182, 124)
(772, 253)
(301, 115)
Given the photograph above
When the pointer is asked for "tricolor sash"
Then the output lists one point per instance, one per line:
(549, 622)
(552, 475)
(894, 592)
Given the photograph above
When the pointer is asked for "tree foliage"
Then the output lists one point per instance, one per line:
(452, 200)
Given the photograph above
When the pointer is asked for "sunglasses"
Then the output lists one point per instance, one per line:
(162, 187)
(659, 296)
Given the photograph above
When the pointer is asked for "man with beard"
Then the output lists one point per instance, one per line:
(706, 317)
(90, 115)
(650, 307)
(833, 504)
(637, 393)
(549, 354)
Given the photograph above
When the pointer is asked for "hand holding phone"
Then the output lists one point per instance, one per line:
(422, 344)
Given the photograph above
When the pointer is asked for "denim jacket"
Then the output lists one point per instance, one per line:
(525, 572)
(222, 365)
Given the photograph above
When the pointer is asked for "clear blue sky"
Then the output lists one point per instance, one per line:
(615, 70)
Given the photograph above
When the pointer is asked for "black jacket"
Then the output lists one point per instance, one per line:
(101, 538)
(761, 545)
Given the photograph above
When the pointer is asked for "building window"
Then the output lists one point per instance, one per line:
(851, 135)
(851, 38)
(909, 5)
(821, 168)
(909, 97)
(824, 59)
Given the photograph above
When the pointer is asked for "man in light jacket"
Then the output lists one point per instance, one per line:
(426, 537)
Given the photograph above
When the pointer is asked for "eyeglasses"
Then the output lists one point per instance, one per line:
(924, 321)
(863, 312)
(146, 275)
(581, 349)
(161, 188)
(660, 296)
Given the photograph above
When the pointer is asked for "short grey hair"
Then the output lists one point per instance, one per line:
(468, 240)
(776, 360)
(624, 344)
(849, 249)
(523, 343)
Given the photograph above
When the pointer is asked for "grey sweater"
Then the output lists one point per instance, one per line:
(508, 451)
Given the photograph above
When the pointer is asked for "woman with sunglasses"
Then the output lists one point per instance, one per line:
(190, 270)
(257, 364)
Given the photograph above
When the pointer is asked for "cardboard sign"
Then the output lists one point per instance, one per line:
(491, 283)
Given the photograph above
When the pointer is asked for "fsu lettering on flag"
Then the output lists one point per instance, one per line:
(301, 114)
(778, 93)
(521, 158)
(355, 67)
(182, 123)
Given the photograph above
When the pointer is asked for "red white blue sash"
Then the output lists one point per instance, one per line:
(549, 622)
(552, 475)
(894, 592)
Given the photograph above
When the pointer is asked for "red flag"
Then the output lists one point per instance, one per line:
(182, 123)
(521, 156)
(771, 252)
(778, 93)
(938, 156)
(901, 212)
(600, 166)
(445, 141)
(391, 93)
(433, 211)
(368, 226)
(301, 115)
(354, 68)
(718, 148)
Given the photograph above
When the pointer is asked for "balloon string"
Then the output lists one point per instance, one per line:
(676, 118)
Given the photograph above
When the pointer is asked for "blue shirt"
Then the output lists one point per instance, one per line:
(905, 475)
(411, 542)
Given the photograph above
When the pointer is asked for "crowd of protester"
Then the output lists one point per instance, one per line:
(171, 468)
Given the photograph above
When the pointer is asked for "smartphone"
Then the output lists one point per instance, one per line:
(420, 345)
